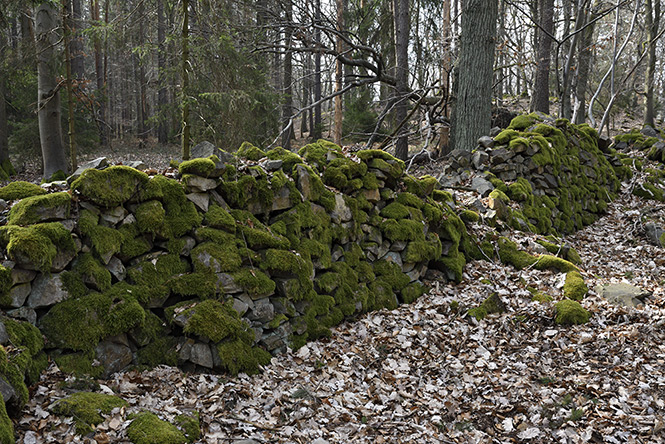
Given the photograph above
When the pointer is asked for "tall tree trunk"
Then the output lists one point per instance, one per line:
(566, 109)
(583, 68)
(100, 93)
(48, 102)
(339, 76)
(541, 90)
(76, 42)
(27, 33)
(472, 114)
(71, 133)
(652, 16)
(401, 20)
(287, 107)
(185, 81)
(162, 96)
(4, 133)
(316, 130)
(142, 112)
(446, 73)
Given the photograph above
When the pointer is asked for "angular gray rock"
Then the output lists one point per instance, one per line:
(623, 294)
(47, 290)
(98, 163)
(4, 337)
(341, 212)
(200, 184)
(483, 186)
(200, 354)
(7, 392)
(654, 234)
(114, 354)
(203, 149)
(117, 269)
(18, 294)
(263, 312)
(201, 200)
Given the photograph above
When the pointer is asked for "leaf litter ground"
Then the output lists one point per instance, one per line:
(425, 373)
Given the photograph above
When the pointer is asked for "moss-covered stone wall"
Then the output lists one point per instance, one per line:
(218, 265)
(550, 176)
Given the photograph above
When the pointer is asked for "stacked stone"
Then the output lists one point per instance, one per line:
(553, 170)
(242, 256)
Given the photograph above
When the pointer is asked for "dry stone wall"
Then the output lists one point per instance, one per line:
(226, 263)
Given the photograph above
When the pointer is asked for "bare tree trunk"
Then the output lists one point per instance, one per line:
(76, 42)
(316, 131)
(583, 68)
(71, 133)
(27, 33)
(446, 73)
(185, 81)
(401, 19)
(339, 76)
(287, 108)
(541, 91)
(652, 15)
(48, 102)
(472, 115)
(162, 97)
(142, 113)
(4, 133)
(99, 77)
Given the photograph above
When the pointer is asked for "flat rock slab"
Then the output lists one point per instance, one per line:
(623, 294)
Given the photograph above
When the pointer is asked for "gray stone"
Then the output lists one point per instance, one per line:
(185, 349)
(654, 234)
(271, 165)
(499, 207)
(337, 253)
(341, 212)
(240, 306)
(460, 158)
(69, 224)
(649, 131)
(247, 441)
(501, 156)
(483, 186)
(21, 276)
(137, 164)
(113, 216)
(98, 163)
(283, 306)
(480, 159)
(114, 354)
(24, 313)
(62, 259)
(372, 234)
(18, 294)
(203, 149)
(486, 142)
(262, 313)
(408, 266)
(47, 290)
(7, 391)
(227, 284)
(3, 205)
(201, 200)
(4, 337)
(282, 199)
(372, 196)
(117, 269)
(383, 248)
(304, 182)
(218, 199)
(398, 246)
(201, 354)
(623, 294)
(200, 184)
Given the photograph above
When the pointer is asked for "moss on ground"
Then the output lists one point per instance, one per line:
(569, 312)
(574, 287)
(147, 428)
(87, 409)
(493, 304)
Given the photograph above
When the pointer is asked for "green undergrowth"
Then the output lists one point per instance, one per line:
(147, 428)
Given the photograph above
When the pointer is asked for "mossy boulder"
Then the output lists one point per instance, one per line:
(569, 312)
(110, 187)
(574, 287)
(493, 304)
(20, 190)
(6, 426)
(87, 409)
(40, 208)
(147, 428)
(36, 246)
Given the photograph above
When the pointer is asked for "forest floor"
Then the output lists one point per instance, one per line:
(426, 373)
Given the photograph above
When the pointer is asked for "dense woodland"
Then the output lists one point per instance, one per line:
(77, 75)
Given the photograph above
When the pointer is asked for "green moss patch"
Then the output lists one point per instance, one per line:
(569, 312)
(218, 217)
(40, 209)
(493, 304)
(110, 187)
(250, 152)
(20, 190)
(87, 409)
(201, 167)
(6, 426)
(36, 244)
(575, 288)
(147, 428)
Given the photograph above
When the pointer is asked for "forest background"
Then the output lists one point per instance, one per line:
(79, 76)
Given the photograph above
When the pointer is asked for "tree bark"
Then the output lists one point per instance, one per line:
(401, 19)
(142, 112)
(99, 77)
(339, 76)
(4, 133)
(472, 114)
(185, 81)
(316, 131)
(48, 102)
(287, 107)
(652, 16)
(162, 96)
(76, 42)
(71, 133)
(541, 90)
(583, 68)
